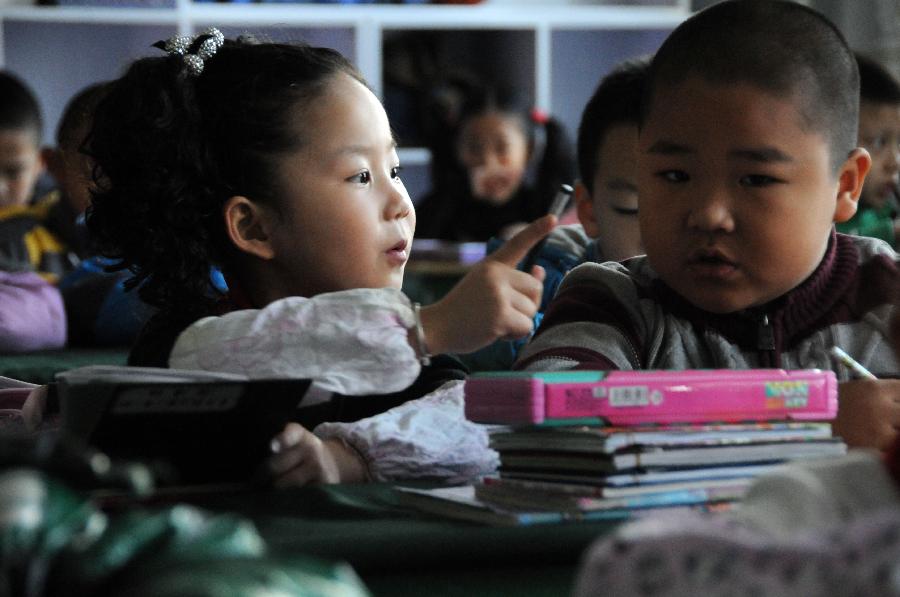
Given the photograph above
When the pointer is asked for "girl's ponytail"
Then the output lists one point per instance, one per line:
(150, 200)
(554, 161)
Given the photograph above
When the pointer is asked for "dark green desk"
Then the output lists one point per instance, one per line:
(40, 367)
(401, 552)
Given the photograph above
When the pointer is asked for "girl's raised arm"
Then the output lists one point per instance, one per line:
(493, 301)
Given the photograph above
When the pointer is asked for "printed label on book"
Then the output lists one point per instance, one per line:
(787, 394)
(629, 396)
(173, 399)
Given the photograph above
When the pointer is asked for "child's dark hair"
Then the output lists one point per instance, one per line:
(19, 108)
(172, 147)
(78, 115)
(617, 100)
(781, 47)
(876, 83)
(547, 140)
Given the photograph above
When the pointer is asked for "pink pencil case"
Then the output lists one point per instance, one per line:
(634, 397)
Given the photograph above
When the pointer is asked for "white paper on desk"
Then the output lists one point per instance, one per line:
(10, 383)
(126, 374)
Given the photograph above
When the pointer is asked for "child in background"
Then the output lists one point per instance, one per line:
(605, 196)
(31, 308)
(276, 162)
(879, 133)
(99, 311)
(25, 243)
(747, 158)
(505, 165)
(20, 140)
(72, 170)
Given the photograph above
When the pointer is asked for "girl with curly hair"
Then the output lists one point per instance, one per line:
(276, 164)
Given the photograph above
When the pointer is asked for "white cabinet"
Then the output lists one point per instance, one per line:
(554, 51)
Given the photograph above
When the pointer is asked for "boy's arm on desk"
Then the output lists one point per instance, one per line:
(868, 412)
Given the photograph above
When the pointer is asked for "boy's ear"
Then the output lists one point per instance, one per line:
(248, 225)
(584, 206)
(851, 177)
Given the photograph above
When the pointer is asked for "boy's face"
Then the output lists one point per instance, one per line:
(494, 150)
(20, 165)
(610, 213)
(879, 133)
(73, 171)
(737, 200)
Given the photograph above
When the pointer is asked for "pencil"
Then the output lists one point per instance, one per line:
(851, 363)
(557, 207)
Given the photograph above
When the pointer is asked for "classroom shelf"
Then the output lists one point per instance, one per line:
(554, 51)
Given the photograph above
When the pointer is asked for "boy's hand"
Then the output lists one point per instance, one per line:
(34, 408)
(301, 458)
(868, 412)
(494, 300)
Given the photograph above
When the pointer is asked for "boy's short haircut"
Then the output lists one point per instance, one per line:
(779, 46)
(876, 83)
(19, 110)
(77, 114)
(617, 100)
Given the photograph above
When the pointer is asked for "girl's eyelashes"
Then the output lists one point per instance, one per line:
(364, 177)
(625, 211)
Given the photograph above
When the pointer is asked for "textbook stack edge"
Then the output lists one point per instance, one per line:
(588, 445)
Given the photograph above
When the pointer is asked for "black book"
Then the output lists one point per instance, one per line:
(192, 427)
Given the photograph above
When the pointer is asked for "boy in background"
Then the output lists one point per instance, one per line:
(879, 133)
(100, 312)
(25, 244)
(747, 158)
(21, 162)
(31, 309)
(72, 169)
(605, 196)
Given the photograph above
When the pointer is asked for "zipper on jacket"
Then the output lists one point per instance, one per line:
(765, 342)
(765, 335)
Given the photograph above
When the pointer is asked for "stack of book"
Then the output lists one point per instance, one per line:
(589, 442)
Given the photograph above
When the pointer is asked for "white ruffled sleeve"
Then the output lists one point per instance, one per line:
(352, 342)
(428, 438)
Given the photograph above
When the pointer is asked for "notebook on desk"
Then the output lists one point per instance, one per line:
(192, 427)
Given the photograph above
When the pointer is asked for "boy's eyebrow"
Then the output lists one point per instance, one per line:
(670, 148)
(755, 154)
(761, 154)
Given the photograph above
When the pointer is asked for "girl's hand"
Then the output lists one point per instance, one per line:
(494, 300)
(868, 413)
(301, 458)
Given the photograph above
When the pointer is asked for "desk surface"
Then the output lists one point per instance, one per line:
(397, 551)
